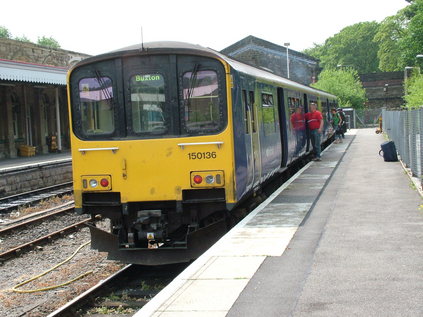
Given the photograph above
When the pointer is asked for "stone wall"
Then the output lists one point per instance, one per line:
(33, 53)
(384, 89)
(26, 179)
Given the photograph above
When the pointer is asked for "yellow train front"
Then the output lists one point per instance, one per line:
(168, 137)
(152, 151)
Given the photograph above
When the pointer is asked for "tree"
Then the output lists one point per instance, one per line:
(48, 42)
(4, 33)
(343, 83)
(412, 43)
(352, 46)
(391, 31)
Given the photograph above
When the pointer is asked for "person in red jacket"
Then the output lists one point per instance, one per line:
(298, 126)
(314, 120)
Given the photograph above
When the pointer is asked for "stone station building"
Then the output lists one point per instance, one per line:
(33, 100)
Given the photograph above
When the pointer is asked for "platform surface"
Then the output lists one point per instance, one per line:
(344, 237)
(8, 165)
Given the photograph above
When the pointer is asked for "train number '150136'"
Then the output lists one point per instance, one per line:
(202, 155)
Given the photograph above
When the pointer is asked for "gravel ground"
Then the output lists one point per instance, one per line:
(35, 262)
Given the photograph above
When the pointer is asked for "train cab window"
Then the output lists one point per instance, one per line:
(201, 113)
(147, 103)
(96, 96)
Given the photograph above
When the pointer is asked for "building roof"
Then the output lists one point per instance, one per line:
(32, 73)
(252, 42)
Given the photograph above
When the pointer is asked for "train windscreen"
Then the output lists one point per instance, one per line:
(148, 97)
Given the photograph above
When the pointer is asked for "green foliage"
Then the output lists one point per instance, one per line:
(412, 43)
(391, 31)
(353, 46)
(4, 33)
(414, 95)
(345, 84)
(23, 38)
(48, 42)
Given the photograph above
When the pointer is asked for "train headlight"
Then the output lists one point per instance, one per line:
(209, 179)
(93, 183)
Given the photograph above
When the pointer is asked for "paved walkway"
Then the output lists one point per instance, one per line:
(359, 253)
(7, 165)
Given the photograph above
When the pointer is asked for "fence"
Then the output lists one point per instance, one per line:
(405, 128)
(367, 118)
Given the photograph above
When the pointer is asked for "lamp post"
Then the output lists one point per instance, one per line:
(287, 58)
(385, 90)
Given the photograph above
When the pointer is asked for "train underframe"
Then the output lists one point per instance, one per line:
(157, 233)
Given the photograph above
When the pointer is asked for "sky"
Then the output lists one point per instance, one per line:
(99, 26)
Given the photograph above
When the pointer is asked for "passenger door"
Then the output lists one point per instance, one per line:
(252, 141)
(255, 132)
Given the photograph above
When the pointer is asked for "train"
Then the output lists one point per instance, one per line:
(168, 138)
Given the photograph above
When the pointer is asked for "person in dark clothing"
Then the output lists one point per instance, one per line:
(344, 122)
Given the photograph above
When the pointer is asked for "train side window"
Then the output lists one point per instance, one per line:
(253, 111)
(245, 106)
(96, 96)
(268, 110)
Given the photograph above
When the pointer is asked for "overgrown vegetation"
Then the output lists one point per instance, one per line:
(414, 92)
(43, 40)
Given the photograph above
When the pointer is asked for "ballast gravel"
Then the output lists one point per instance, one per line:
(35, 262)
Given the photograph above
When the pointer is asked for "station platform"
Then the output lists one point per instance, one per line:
(343, 237)
(20, 163)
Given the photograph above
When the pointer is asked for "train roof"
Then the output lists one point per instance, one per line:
(164, 47)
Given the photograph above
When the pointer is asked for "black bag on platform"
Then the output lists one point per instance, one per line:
(389, 151)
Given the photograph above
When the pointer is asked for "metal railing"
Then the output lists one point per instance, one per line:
(405, 128)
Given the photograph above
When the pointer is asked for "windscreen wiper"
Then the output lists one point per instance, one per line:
(103, 87)
(192, 82)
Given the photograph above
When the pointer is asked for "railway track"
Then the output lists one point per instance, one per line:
(30, 198)
(19, 226)
(123, 292)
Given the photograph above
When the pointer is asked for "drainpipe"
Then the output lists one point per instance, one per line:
(59, 137)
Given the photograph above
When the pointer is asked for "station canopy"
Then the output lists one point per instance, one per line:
(32, 73)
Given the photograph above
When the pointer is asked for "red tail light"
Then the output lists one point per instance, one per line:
(104, 182)
(197, 179)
